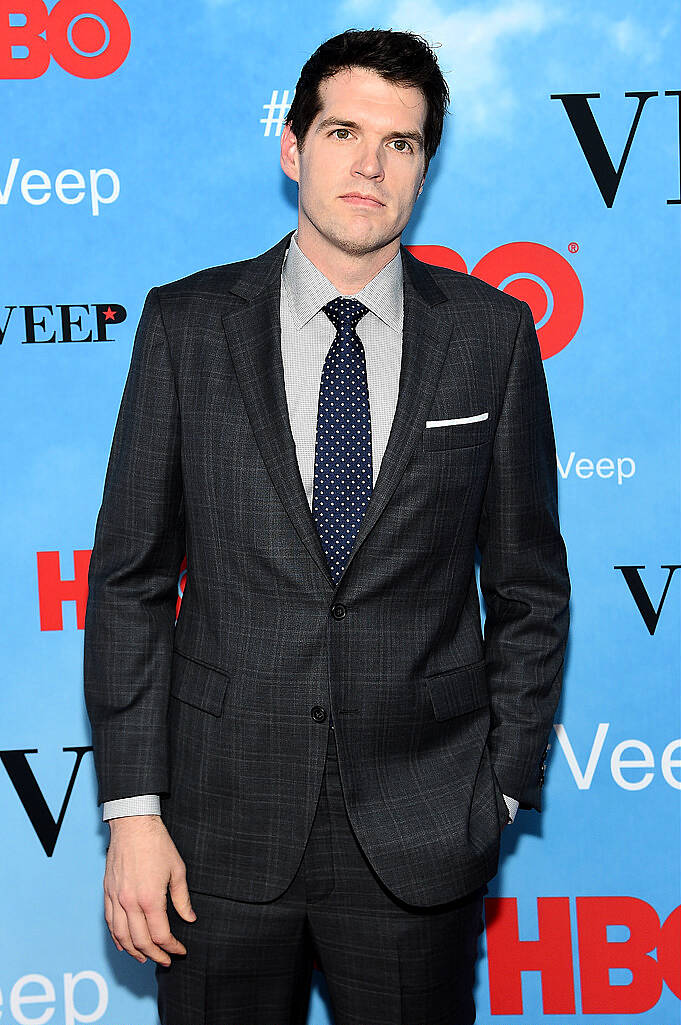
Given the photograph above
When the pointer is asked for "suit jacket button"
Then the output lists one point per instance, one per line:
(338, 611)
(318, 713)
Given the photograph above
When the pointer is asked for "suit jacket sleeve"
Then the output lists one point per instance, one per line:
(523, 575)
(138, 548)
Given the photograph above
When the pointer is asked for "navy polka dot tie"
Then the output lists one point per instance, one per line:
(343, 477)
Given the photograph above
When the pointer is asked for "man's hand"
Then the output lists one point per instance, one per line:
(141, 862)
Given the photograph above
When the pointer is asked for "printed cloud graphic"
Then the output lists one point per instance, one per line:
(633, 38)
(476, 53)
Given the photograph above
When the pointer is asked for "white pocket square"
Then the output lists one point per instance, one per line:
(457, 420)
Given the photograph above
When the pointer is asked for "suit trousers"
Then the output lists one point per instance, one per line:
(385, 962)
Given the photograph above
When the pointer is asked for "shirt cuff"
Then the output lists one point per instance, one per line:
(512, 805)
(145, 804)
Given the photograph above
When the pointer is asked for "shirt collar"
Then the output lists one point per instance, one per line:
(308, 289)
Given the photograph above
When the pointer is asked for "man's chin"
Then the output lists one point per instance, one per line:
(361, 240)
(355, 235)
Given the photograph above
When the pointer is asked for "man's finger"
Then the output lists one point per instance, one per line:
(159, 930)
(139, 931)
(108, 915)
(179, 894)
(121, 931)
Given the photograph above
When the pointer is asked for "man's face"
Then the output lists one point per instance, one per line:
(361, 165)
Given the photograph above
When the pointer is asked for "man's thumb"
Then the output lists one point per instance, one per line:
(179, 894)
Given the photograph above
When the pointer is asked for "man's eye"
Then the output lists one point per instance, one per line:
(346, 130)
(402, 146)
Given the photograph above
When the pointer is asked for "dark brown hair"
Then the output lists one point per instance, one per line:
(401, 57)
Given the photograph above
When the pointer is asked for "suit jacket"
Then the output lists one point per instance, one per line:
(225, 712)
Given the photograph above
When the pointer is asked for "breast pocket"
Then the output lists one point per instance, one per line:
(461, 432)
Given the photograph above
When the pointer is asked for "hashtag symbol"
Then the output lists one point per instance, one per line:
(276, 111)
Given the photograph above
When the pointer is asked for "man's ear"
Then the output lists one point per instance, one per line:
(289, 154)
(423, 181)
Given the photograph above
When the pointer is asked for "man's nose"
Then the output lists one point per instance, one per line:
(369, 164)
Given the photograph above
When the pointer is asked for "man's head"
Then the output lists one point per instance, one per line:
(399, 57)
(366, 118)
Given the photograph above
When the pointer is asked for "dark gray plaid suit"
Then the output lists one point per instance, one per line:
(220, 713)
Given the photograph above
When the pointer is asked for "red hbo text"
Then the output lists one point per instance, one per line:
(538, 275)
(87, 38)
(551, 955)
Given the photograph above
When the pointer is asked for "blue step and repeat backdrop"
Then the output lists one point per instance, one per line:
(139, 142)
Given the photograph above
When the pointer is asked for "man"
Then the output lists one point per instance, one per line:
(323, 751)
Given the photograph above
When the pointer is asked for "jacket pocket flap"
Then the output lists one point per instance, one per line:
(198, 683)
(458, 690)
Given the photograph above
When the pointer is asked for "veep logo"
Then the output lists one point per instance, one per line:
(70, 187)
(34, 988)
(36, 325)
(632, 761)
(87, 38)
(538, 275)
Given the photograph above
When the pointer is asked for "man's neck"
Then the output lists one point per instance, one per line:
(348, 272)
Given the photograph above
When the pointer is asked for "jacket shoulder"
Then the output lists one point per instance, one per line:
(210, 281)
(218, 281)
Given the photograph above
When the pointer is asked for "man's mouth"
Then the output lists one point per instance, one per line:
(362, 199)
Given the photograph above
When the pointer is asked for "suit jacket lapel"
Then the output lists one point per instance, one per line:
(425, 341)
(253, 333)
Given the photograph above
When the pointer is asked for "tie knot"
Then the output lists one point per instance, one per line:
(344, 312)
